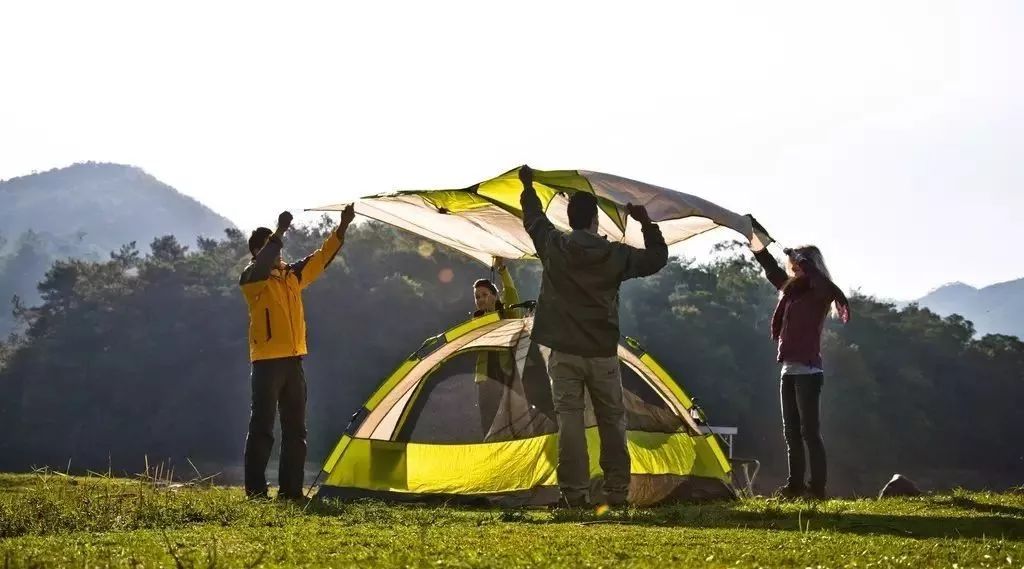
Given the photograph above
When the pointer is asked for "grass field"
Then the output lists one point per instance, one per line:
(52, 520)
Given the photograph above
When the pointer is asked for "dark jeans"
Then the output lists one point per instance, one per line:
(801, 423)
(277, 384)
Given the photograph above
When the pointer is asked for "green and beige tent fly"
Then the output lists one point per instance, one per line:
(469, 416)
(485, 220)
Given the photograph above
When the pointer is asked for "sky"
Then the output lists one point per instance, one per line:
(888, 133)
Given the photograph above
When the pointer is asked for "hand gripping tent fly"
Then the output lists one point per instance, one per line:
(428, 431)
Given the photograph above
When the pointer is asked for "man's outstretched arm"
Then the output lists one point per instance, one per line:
(257, 274)
(309, 269)
(654, 255)
(535, 222)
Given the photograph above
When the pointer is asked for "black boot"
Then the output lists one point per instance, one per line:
(816, 493)
(789, 492)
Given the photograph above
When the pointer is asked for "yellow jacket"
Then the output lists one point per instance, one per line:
(509, 294)
(509, 297)
(277, 323)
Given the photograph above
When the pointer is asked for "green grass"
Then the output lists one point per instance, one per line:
(51, 520)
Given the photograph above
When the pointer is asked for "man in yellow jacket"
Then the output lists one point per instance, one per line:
(277, 342)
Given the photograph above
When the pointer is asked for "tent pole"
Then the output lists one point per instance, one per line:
(315, 480)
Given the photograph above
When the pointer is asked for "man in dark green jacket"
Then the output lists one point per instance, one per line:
(577, 318)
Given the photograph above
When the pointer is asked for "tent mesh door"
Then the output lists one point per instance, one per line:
(487, 396)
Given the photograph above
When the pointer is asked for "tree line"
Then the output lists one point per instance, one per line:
(145, 354)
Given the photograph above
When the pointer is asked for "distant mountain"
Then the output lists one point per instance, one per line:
(86, 211)
(103, 206)
(998, 308)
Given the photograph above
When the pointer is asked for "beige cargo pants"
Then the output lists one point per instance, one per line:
(601, 378)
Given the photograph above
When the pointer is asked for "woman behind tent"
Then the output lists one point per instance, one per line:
(486, 296)
(497, 366)
(806, 297)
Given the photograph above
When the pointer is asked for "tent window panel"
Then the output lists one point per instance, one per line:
(645, 409)
(482, 396)
(526, 408)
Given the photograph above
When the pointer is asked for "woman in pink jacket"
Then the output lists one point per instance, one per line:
(807, 296)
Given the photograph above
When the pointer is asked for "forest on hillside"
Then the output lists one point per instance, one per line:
(145, 354)
(84, 211)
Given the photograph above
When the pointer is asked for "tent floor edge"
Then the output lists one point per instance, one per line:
(646, 490)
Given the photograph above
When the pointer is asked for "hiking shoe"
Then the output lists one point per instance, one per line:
(616, 500)
(816, 494)
(788, 492)
(258, 493)
(572, 503)
(298, 500)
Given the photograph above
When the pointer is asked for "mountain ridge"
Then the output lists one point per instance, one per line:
(997, 308)
(112, 203)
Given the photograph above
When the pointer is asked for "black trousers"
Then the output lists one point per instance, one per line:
(801, 423)
(277, 384)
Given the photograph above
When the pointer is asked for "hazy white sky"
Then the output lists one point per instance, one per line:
(888, 133)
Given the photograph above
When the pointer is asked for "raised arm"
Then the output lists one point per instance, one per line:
(772, 270)
(310, 268)
(509, 293)
(654, 255)
(255, 276)
(759, 243)
(537, 225)
(263, 262)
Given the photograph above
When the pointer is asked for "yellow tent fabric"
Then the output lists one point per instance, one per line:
(371, 459)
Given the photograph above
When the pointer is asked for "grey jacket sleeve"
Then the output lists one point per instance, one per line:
(650, 259)
(537, 224)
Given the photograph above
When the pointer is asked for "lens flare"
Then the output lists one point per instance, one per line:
(425, 249)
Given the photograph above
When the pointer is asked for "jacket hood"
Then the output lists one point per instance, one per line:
(587, 249)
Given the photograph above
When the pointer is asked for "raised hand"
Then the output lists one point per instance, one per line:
(284, 221)
(526, 176)
(797, 256)
(639, 213)
(759, 240)
(348, 214)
